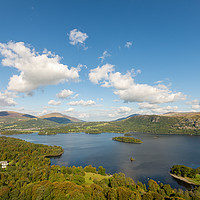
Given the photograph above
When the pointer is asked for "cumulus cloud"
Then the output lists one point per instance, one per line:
(70, 110)
(82, 103)
(128, 44)
(35, 69)
(195, 104)
(77, 37)
(124, 109)
(121, 82)
(146, 105)
(54, 103)
(105, 54)
(121, 111)
(64, 94)
(129, 91)
(44, 112)
(147, 93)
(6, 99)
(100, 73)
(83, 115)
(154, 108)
(196, 107)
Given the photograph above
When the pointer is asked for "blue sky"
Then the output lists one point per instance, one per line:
(99, 60)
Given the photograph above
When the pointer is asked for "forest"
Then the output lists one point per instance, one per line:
(29, 175)
(184, 171)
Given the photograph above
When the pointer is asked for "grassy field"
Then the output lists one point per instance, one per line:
(91, 177)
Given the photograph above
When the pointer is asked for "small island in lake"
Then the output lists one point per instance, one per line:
(132, 159)
(127, 139)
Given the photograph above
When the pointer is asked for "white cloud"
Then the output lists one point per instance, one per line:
(77, 37)
(195, 104)
(82, 103)
(128, 44)
(100, 73)
(75, 96)
(79, 66)
(124, 109)
(35, 69)
(158, 82)
(147, 93)
(64, 94)
(21, 109)
(54, 103)
(146, 105)
(6, 99)
(83, 115)
(154, 108)
(105, 54)
(70, 110)
(121, 111)
(43, 112)
(196, 107)
(121, 82)
(128, 90)
(165, 109)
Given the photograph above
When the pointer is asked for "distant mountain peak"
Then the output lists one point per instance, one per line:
(120, 119)
(15, 114)
(59, 118)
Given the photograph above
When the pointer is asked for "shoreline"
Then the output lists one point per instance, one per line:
(57, 155)
(183, 179)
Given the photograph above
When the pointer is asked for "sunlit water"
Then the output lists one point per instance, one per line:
(153, 158)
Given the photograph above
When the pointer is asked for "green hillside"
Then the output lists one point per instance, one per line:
(10, 120)
(13, 120)
(60, 118)
(163, 124)
(171, 123)
(157, 124)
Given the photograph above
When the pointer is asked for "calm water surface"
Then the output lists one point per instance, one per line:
(153, 158)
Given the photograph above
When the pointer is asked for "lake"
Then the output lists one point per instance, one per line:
(153, 158)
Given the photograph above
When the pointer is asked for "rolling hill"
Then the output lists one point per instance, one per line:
(12, 114)
(169, 123)
(183, 123)
(14, 120)
(59, 118)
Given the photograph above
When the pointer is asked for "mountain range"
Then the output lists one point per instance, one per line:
(15, 120)
(179, 123)
(60, 118)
